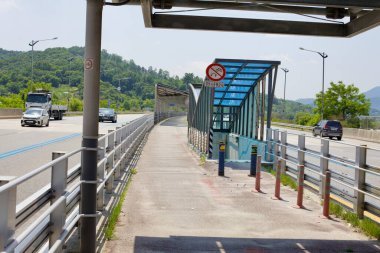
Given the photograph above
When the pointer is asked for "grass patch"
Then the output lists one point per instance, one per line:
(285, 179)
(202, 158)
(288, 181)
(116, 211)
(366, 225)
(134, 171)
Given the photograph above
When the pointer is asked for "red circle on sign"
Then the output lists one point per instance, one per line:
(215, 72)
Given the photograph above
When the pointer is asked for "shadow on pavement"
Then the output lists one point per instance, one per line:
(248, 245)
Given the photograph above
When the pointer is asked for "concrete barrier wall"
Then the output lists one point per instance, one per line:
(362, 134)
(10, 113)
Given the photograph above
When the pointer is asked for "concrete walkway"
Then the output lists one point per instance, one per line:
(176, 205)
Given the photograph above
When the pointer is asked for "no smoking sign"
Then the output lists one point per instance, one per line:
(215, 72)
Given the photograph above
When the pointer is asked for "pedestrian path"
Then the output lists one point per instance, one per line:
(174, 204)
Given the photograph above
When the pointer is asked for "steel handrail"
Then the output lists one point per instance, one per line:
(37, 171)
(25, 239)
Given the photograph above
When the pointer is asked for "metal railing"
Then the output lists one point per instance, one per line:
(355, 169)
(160, 116)
(45, 219)
(288, 125)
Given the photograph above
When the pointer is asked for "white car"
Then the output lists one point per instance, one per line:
(35, 117)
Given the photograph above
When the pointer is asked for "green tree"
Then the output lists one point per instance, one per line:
(342, 102)
(76, 105)
(12, 101)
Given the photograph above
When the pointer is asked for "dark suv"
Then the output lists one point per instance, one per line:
(107, 114)
(328, 128)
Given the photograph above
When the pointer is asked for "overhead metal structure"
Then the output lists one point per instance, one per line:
(169, 101)
(334, 18)
(239, 107)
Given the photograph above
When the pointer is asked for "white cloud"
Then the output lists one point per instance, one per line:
(7, 5)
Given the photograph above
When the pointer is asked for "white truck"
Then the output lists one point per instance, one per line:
(42, 99)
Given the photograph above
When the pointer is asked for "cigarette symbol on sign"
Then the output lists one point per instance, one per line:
(215, 72)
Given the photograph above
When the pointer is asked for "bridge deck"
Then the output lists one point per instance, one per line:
(176, 205)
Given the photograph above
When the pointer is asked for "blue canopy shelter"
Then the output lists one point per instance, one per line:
(238, 109)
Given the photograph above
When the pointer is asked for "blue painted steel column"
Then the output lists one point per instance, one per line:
(253, 161)
(222, 149)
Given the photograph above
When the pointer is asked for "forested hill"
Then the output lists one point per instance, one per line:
(63, 69)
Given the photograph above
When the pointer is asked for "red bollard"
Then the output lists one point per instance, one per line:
(278, 180)
(258, 173)
(326, 200)
(301, 173)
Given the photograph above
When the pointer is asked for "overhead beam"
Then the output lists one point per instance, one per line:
(363, 23)
(242, 7)
(248, 25)
(363, 4)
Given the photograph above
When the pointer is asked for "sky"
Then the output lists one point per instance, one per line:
(351, 60)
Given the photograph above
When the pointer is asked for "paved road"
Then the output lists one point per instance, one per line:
(176, 205)
(23, 149)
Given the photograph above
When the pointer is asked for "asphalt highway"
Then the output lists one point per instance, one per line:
(23, 149)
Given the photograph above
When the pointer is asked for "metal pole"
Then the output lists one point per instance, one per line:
(70, 60)
(283, 106)
(283, 110)
(32, 59)
(252, 171)
(34, 42)
(323, 84)
(222, 148)
(90, 124)
(300, 179)
(277, 187)
(258, 174)
(326, 199)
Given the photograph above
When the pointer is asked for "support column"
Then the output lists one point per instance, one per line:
(90, 124)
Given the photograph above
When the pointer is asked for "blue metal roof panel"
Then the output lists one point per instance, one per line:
(241, 76)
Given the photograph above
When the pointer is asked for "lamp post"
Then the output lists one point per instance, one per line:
(119, 88)
(286, 71)
(34, 42)
(324, 56)
(68, 99)
(70, 60)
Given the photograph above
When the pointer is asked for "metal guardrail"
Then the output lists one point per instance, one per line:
(355, 175)
(287, 125)
(160, 116)
(45, 219)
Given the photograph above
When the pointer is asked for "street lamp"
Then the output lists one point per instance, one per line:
(125, 78)
(324, 56)
(286, 71)
(70, 60)
(34, 42)
(68, 99)
(119, 88)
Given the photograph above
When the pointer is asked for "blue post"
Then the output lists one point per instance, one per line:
(222, 148)
(252, 171)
